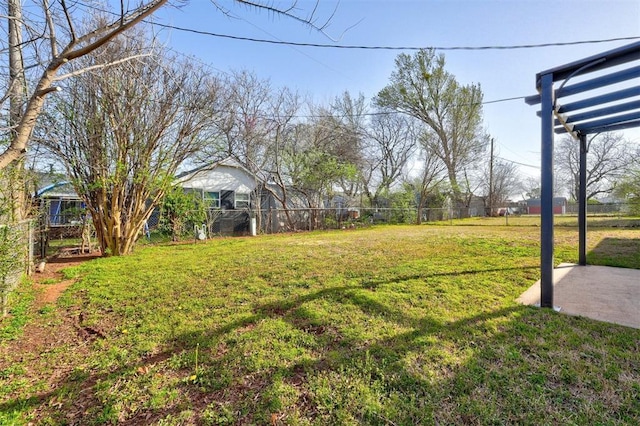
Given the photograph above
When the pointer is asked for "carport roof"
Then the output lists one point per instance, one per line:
(598, 106)
(595, 113)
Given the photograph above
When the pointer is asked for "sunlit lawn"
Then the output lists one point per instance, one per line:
(391, 325)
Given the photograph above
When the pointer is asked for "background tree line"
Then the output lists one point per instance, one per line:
(129, 115)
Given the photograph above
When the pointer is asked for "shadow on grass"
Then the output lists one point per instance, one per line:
(422, 395)
(598, 222)
(373, 283)
(621, 252)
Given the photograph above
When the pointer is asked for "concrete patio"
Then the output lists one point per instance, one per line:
(602, 293)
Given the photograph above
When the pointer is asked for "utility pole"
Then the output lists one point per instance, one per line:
(491, 181)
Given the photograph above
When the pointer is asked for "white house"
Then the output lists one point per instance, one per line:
(226, 187)
(226, 184)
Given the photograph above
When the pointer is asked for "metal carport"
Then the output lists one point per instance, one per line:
(590, 110)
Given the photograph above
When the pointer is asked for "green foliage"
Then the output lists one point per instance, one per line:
(180, 211)
(321, 170)
(19, 301)
(12, 247)
(403, 204)
(436, 199)
(629, 189)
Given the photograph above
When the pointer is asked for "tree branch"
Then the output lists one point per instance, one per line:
(99, 66)
(110, 31)
(52, 29)
(69, 21)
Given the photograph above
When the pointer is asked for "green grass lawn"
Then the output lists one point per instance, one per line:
(393, 325)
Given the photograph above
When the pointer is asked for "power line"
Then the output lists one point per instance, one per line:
(518, 163)
(363, 47)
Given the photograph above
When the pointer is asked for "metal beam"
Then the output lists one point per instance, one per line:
(607, 121)
(601, 99)
(621, 55)
(582, 203)
(601, 112)
(546, 201)
(612, 128)
(603, 123)
(592, 117)
(596, 83)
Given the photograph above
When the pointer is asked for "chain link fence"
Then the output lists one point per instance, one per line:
(221, 222)
(16, 256)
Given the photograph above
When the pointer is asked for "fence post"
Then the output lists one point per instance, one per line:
(31, 242)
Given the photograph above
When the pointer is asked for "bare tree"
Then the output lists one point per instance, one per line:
(122, 141)
(531, 188)
(608, 157)
(244, 123)
(286, 104)
(501, 185)
(54, 39)
(316, 158)
(52, 43)
(349, 116)
(391, 141)
(254, 127)
(433, 173)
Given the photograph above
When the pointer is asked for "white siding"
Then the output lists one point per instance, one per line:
(221, 178)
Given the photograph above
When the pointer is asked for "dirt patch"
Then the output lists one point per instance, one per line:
(50, 283)
(42, 334)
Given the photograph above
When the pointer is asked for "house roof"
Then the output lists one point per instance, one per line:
(224, 175)
(55, 186)
(557, 201)
(229, 162)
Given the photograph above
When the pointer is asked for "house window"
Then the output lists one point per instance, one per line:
(242, 201)
(212, 199)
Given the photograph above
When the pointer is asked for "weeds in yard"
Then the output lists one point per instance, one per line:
(19, 303)
(379, 326)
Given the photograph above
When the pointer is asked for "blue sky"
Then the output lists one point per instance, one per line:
(325, 73)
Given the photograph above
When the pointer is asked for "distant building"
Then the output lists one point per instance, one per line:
(62, 204)
(534, 205)
(228, 189)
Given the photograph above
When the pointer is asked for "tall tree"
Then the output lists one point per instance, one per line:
(316, 159)
(531, 188)
(349, 117)
(122, 141)
(244, 123)
(390, 142)
(421, 87)
(285, 106)
(432, 175)
(55, 40)
(608, 158)
(321, 158)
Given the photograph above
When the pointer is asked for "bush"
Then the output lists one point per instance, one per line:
(180, 212)
(11, 261)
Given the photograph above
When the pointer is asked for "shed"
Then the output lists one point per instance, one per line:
(534, 205)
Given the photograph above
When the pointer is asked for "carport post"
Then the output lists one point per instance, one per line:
(546, 199)
(582, 203)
